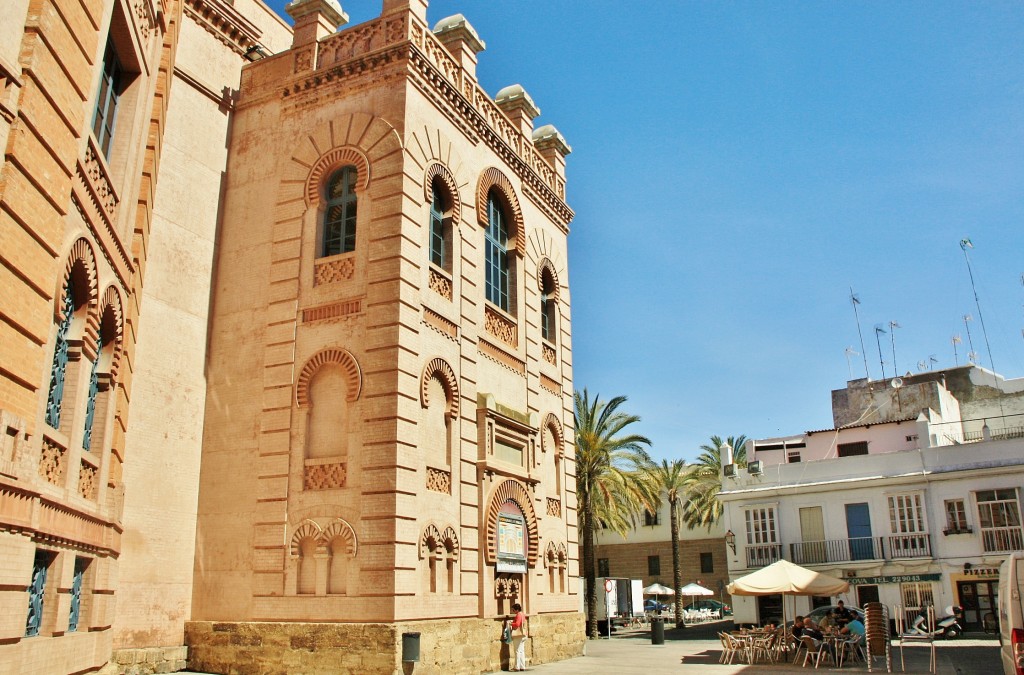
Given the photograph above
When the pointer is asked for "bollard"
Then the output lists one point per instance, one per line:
(657, 631)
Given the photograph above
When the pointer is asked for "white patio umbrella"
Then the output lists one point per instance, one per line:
(695, 589)
(784, 578)
(658, 589)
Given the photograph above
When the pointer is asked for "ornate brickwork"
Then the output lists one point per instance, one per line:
(87, 481)
(439, 172)
(554, 507)
(507, 588)
(51, 462)
(551, 385)
(494, 178)
(112, 308)
(439, 323)
(101, 189)
(551, 422)
(82, 258)
(340, 357)
(511, 490)
(546, 267)
(325, 476)
(500, 327)
(549, 354)
(440, 284)
(333, 271)
(225, 23)
(502, 357)
(358, 40)
(440, 369)
(439, 480)
(337, 310)
(335, 159)
(322, 536)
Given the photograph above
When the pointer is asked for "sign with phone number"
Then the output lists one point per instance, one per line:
(896, 579)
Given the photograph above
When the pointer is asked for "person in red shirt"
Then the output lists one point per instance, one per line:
(520, 634)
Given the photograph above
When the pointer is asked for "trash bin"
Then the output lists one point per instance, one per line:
(410, 647)
(657, 631)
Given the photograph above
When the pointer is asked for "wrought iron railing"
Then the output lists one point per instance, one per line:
(836, 550)
(997, 539)
(909, 546)
(760, 555)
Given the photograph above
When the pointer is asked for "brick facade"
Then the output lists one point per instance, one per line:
(630, 560)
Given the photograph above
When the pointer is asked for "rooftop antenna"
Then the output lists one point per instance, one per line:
(880, 331)
(932, 361)
(922, 366)
(955, 340)
(964, 245)
(854, 300)
(850, 352)
(893, 325)
(972, 355)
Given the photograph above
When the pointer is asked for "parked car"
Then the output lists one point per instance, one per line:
(819, 613)
(707, 603)
(652, 605)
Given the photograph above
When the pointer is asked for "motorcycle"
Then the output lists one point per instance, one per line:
(946, 626)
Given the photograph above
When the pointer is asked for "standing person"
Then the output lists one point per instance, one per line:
(520, 634)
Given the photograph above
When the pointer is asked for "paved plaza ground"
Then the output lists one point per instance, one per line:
(696, 650)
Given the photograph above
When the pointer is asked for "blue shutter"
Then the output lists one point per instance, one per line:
(35, 593)
(60, 361)
(90, 405)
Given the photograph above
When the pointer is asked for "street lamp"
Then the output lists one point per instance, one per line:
(730, 539)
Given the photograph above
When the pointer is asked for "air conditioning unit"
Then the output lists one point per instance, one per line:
(729, 470)
(754, 468)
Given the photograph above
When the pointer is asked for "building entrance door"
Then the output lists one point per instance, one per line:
(858, 529)
(866, 594)
(978, 598)
(812, 535)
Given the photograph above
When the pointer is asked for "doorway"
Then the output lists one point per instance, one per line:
(978, 598)
(812, 536)
(866, 594)
(858, 529)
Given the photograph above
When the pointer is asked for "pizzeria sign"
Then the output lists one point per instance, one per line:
(893, 579)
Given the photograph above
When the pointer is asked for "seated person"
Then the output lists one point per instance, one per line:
(798, 627)
(853, 627)
(842, 614)
(812, 631)
(827, 621)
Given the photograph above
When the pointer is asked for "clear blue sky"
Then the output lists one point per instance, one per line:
(738, 166)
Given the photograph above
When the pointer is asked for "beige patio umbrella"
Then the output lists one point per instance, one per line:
(784, 578)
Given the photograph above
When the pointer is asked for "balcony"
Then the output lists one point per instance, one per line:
(1002, 539)
(760, 555)
(850, 550)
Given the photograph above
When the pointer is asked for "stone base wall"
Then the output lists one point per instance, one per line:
(146, 661)
(456, 646)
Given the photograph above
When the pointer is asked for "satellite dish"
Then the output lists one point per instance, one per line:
(896, 382)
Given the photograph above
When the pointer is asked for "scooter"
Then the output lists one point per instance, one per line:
(947, 626)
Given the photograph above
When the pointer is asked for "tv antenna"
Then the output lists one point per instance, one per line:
(972, 355)
(964, 245)
(922, 366)
(880, 331)
(850, 352)
(854, 300)
(955, 340)
(893, 325)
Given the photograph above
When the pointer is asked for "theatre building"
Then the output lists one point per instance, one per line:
(286, 363)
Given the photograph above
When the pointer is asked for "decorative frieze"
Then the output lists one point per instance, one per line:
(51, 462)
(501, 327)
(87, 476)
(551, 385)
(225, 23)
(554, 507)
(144, 18)
(441, 324)
(324, 476)
(501, 356)
(337, 310)
(439, 480)
(333, 271)
(101, 189)
(360, 40)
(549, 354)
(440, 284)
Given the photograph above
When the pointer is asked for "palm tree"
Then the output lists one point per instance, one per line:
(704, 482)
(669, 479)
(610, 489)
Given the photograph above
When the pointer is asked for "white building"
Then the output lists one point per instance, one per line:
(913, 496)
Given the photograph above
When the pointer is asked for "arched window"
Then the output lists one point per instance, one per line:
(60, 359)
(339, 232)
(440, 228)
(307, 566)
(548, 302)
(496, 254)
